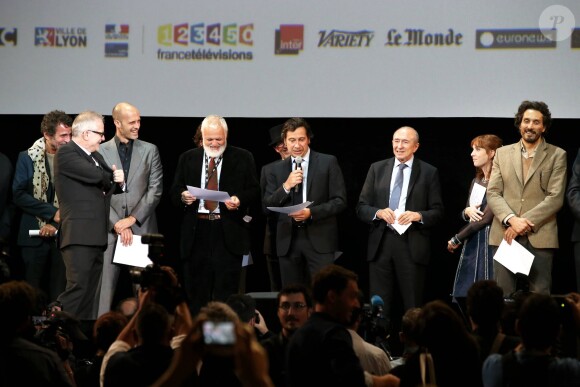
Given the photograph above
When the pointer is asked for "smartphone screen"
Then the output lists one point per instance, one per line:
(219, 333)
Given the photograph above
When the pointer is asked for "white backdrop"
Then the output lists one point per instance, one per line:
(470, 74)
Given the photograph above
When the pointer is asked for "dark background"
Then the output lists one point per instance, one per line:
(357, 142)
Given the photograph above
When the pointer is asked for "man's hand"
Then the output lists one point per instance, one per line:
(187, 198)
(294, 178)
(232, 203)
(408, 217)
(302, 215)
(118, 175)
(520, 225)
(387, 215)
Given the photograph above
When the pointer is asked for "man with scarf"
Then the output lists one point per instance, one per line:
(34, 194)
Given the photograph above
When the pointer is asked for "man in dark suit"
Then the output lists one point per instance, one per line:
(134, 211)
(43, 265)
(573, 196)
(395, 257)
(84, 184)
(306, 240)
(214, 236)
(270, 253)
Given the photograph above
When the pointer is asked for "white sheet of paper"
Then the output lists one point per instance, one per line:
(134, 255)
(290, 209)
(477, 194)
(36, 233)
(515, 257)
(399, 227)
(208, 194)
(247, 260)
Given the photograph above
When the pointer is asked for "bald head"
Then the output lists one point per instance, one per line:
(127, 119)
(120, 108)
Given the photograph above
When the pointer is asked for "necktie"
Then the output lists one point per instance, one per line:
(396, 194)
(212, 183)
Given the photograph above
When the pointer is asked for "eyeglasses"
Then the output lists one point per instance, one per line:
(295, 305)
(102, 134)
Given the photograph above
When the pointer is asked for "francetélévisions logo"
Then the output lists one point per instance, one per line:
(289, 39)
(514, 38)
(62, 37)
(116, 40)
(345, 39)
(8, 36)
(201, 42)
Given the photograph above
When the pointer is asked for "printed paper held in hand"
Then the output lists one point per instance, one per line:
(477, 194)
(208, 194)
(399, 227)
(515, 257)
(290, 209)
(134, 255)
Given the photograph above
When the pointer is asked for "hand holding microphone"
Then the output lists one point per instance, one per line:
(298, 161)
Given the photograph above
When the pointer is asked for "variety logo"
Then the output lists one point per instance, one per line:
(417, 37)
(207, 41)
(515, 38)
(60, 37)
(289, 39)
(8, 36)
(341, 39)
(116, 40)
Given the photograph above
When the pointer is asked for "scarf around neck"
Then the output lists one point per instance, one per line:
(40, 178)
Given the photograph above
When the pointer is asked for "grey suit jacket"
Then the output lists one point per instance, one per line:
(423, 195)
(144, 186)
(538, 198)
(325, 188)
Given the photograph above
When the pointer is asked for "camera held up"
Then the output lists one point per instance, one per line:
(154, 277)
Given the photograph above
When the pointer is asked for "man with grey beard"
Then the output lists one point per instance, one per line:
(214, 235)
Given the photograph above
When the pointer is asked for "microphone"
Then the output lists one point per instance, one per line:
(298, 162)
(377, 302)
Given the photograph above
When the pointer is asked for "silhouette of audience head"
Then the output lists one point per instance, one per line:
(17, 300)
(243, 305)
(539, 322)
(107, 328)
(485, 305)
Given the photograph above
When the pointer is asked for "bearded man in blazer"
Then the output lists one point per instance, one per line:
(306, 240)
(132, 213)
(84, 184)
(393, 257)
(525, 192)
(214, 240)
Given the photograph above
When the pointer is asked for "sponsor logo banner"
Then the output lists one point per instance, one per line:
(116, 40)
(61, 37)
(575, 41)
(289, 39)
(8, 36)
(204, 41)
(345, 39)
(418, 37)
(515, 38)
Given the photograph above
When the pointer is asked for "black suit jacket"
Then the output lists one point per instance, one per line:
(573, 196)
(84, 193)
(325, 188)
(423, 195)
(238, 177)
